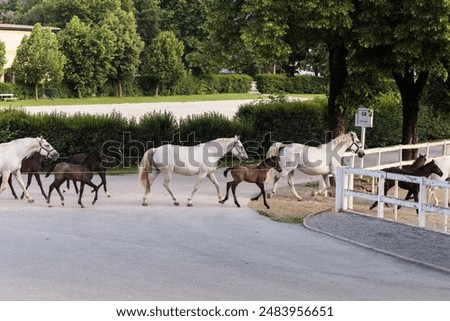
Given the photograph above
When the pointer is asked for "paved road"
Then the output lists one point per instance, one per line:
(120, 250)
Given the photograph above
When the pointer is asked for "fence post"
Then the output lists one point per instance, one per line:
(380, 207)
(340, 179)
(420, 209)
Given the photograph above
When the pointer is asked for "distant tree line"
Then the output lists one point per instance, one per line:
(363, 47)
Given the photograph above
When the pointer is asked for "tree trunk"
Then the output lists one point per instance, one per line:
(157, 89)
(119, 88)
(411, 88)
(36, 91)
(338, 76)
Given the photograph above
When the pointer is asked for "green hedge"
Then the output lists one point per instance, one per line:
(258, 123)
(272, 84)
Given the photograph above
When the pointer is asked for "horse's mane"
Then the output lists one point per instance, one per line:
(31, 151)
(343, 137)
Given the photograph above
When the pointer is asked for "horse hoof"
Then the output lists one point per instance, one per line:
(144, 204)
(31, 200)
(108, 195)
(176, 203)
(268, 207)
(82, 206)
(238, 205)
(221, 202)
(269, 195)
(50, 205)
(253, 199)
(190, 205)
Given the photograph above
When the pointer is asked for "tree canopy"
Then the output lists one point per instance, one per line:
(38, 59)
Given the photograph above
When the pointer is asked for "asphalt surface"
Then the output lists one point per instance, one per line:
(411, 243)
(120, 250)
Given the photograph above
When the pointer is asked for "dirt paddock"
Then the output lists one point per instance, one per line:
(285, 205)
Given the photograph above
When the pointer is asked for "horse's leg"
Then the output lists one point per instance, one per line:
(213, 179)
(80, 194)
(197, 184)
(95, 187)
(59, 192)
(102, 175)
(75, 186)
(13, 192)
(29, 179)
(38, 179)
(5, 178)
(261, 187)
(226, 195)
(326, 185)
(152, 179)
(50, 189)
(432, 192)
(291, 184)
(22, 185)
(274, 186)
(234, 184)
(166, 184)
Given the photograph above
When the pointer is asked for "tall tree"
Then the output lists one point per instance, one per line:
(2, 57)
(186, 18)
(411, 40)
(148, 19)
(271, 32)
(162, 60)
(90, 52)
(128, 47)
(38, 59)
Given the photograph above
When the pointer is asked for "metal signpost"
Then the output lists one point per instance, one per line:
(363, 119)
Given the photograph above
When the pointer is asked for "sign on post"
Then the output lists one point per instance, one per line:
(364, 117)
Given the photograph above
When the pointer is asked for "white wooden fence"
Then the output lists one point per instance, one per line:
(345, 193)
(345, 179)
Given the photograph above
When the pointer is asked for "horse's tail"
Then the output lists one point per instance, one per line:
(144, 169)
(274, 150)
(225, 173)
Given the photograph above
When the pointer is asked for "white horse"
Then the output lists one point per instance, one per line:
(322, 160)
(200, 160)
(12, 154)
(444, 164)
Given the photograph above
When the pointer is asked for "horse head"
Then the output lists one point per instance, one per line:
(356, 145)
(238, 149)
(435, 169)
(47, 150)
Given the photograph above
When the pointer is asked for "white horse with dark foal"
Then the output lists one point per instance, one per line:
(12, 153)
(200, 160)
(322, 160)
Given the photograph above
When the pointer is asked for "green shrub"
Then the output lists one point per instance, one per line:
(270, 84)
(209, 126)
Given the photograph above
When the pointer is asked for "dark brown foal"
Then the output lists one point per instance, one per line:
(251, 174)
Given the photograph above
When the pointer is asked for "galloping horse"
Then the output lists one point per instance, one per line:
(12, 154)
(200, 160)
(322, 160)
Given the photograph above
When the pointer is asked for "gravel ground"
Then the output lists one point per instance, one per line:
(408, 242)
(179, 109)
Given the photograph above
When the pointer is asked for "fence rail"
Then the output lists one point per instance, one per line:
(345, 193)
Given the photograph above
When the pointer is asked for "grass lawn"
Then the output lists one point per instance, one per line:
(128, 100)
